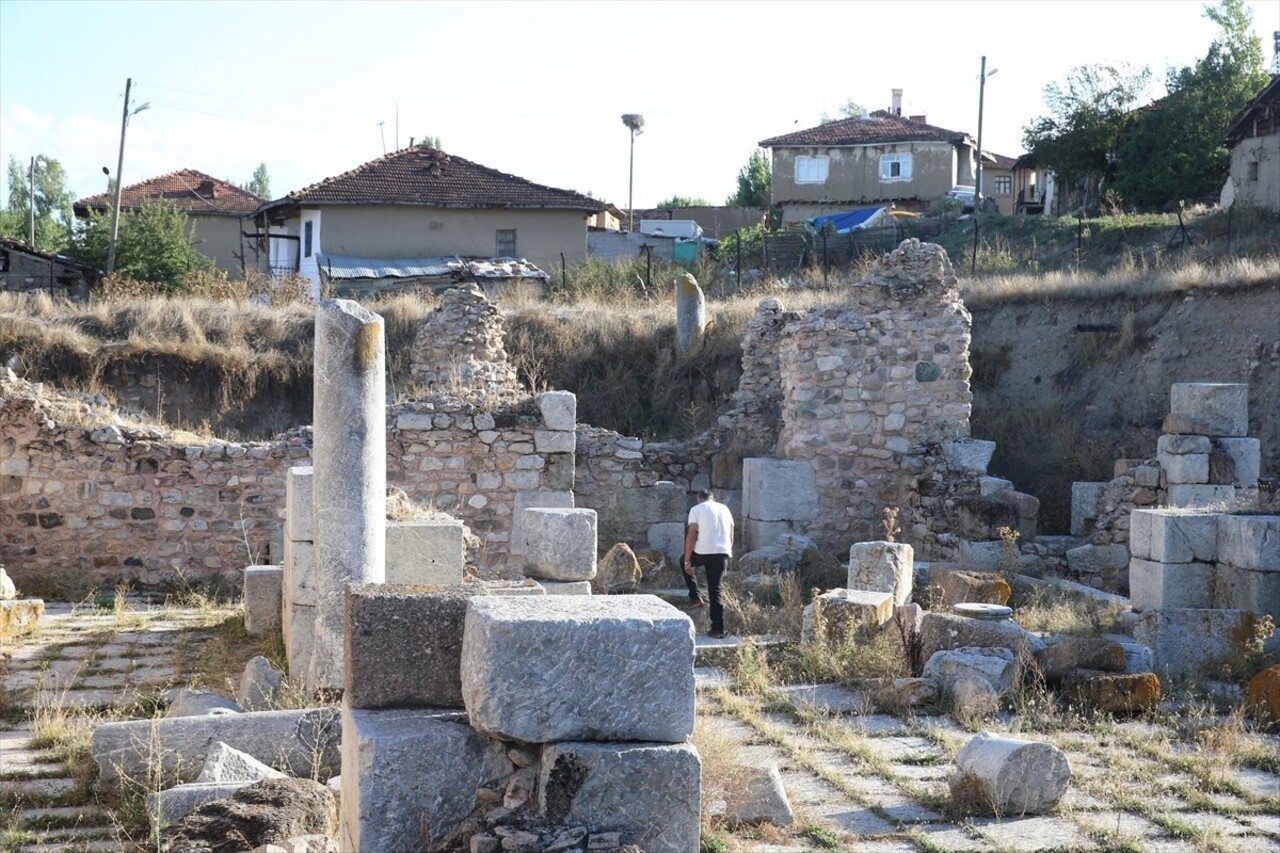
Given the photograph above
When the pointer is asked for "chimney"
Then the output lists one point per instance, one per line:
(923, 119)
(897, 102)
(207, 189)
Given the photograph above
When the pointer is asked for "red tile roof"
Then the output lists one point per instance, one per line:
(192, 192)
(1001, 161)
(878, 127)
(433, 178)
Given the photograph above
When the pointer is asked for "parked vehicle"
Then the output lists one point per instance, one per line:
(964, 195)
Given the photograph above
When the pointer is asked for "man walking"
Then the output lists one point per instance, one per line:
(708, 543)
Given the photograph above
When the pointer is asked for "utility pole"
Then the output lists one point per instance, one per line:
(977, 181)
(383, 134)
(115, 207)
(31, 204)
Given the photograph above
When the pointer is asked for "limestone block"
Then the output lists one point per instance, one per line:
(165, 808)
(1009, 776)
(1222, 469)
(299, 742)
(958, 586)
(1173, 536)
(226, 764)
(663, 501)
(403, 646)
(425, 553)
(536, 498)
(691, 313)
(1113, 692)
(566, 587)
(1250, 541)
(1225, 406)
(1097, 559)
(760, 798)
(552, 441)
(300, 639)
(1178, 445)
(259, 685)
(411, 774)
(973, 698)
(525, 588)
(299, 502)
(981, 518)
(559, 409)
(1137, 657)
(1147, 476)
(761, 534)
(187, 702)
(1154, 585)
(287, 810)
(299, 579)
(1246, 456)
(969, 454)
(1194, 641)
(647, 792)
(1187, 468)
(778, 490)
(263, 592)
(842, 612)
(667, 538)
(988, 486)
(1072, 653)
(618, 572)
(941, 631)
(989, 556)
(1246, 589)
(769, 560)
(19, 617)
(1188, 496)
(560, 544)
(882, 567)
(600, 667)
(998, 667)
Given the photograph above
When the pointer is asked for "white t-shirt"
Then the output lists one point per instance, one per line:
(715, 527)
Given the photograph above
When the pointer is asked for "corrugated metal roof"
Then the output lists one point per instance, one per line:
(341, 267)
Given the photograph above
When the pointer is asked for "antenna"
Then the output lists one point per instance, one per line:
(397, 125)
(382, 132)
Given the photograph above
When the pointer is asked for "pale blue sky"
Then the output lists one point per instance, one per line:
(537, 88)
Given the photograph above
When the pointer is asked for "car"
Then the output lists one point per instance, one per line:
(964, 195)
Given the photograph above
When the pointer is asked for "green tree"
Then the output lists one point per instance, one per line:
(849, 109)
(1088, 113)
(260, 183)
(683, 201)
(755, 182)
(430, 142)
(156, 243)
(1173, 149)
(52, 204)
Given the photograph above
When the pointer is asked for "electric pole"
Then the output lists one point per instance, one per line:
(31, 204)
(115, 207)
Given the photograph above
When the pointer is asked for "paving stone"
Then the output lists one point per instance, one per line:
(1265, 822)
(1033, 833)
(897, 748)
(854, 818)
(923, 772)
(875, 724)
(39, 787)
(1119, 822)
(711, 678)
(28, 761)
(1259, 783)
(826, 698)
(953, 839)
(1213, 822)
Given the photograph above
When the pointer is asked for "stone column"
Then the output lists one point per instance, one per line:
(691, 313)
(350, 461)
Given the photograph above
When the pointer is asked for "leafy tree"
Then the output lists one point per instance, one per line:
(849, 109)
(683, 201)
(755, 182)
(156, 243)
(260, 184)
(52, 204)
(1173, 149)
(430, 142)
(1088, 113)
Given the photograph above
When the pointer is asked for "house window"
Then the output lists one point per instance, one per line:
(812, 170)
(506, 243)
(895, 167)
(1003, 184)
(1252, 171)
(306, 239)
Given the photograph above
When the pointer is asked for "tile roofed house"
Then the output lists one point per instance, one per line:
(879, 158)
(26, 269)
(1254, 140)
(214, 207)
(421, 203)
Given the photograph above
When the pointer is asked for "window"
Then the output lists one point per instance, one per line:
(895, 167)
(306, 239)
(1003, 184)
(506, 243)
(1252, 172)
(812, 170)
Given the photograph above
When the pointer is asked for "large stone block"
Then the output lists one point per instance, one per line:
(761, 534)
(663, 501)
(299, 580)
(1185, 468)
(1237, 588)
(996, 666)
(559, 409)
(882, 567)
(778, 490)
(165, 808)
(955, 585)
(667, 538)
(299, 503)
(1097, 559)
(1173, 536)
(1246, 458)
(1072, 653)
(1153, 585)
(943, 631)
(300, 638)
(566, 587)
(1009, 777)
(1195, 641)
(990, 556)
(981, 518)
(409, 777)
(1224, 406)
(969, 454)
(224, 764)
(425, 553)
(300, 742)
(19, 617)
(650, 793)
(560, 544)
(1178, 445)
(1188, 496)
(263, 590)
(585, 668)
(403, 646)
(534, 499)
(841, 613)
(1250, 541)
(554, 441)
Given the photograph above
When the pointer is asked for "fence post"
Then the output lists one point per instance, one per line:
(738, 280)
(824, 256)
(564, 272)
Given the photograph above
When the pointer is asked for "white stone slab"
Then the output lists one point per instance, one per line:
(1246, 454)
(534, 498)
(559, 409)
(566, 587)
(560, 544)
(1250, 541)
(778, 490)
(428, 552)
(1186, 496)
(1154, 585)
(1185, 468)
(263, 595)
(299, 504)
(882, 567)
(1224, 405)
(1173, 536)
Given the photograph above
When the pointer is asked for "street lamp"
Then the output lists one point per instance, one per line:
(115, 210)
(635, 122)
(977, 181)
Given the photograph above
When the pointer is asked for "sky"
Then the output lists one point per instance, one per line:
(537, 89)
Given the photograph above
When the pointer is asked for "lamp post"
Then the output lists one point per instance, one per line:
(635, 122)
(115, 208)
(977, 180)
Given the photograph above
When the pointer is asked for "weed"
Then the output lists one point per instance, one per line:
(823, 837)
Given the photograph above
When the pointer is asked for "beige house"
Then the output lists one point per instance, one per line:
(416, 205)
(998, 181)
(1254, 140)
(213, 207)
(880, 158)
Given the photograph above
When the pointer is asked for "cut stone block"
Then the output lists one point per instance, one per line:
(259, 685)
(409, 777)
(998, 667)
(1224, 406)
(526, 587)
(300, 742)
(559, 409)
(1173, 536)
(566, 587)
(225, 764)
(981, 518)
(1072, 653)
(1177, 445)
(1194, 641)
(973, 698)
(299, 579)
(300, 639)
(1250, 541)
(1097, 559)
(969, 454)
(942, 631)
(760, 798)
(299, 504)
(186, 702)
(761, 534)
(560, 544)
(403, 646)
(989, 556)
(958, 586)
(1247, 589)
(1155, 585)
(988, 486)
(842, 612)
(663, 501)
(1246, 458)
(667, 538)
(1186, 468)
(263, 592)
(1010, 777)
(778, 490)
(882, 567)
(425, 553)
(598, 667)
(19, 617)
(1185, 496)
(165, 808)
(1113, 692)
(537, 498)
(649, 793)
(1137, 657)
(769, 560)
(554, 441)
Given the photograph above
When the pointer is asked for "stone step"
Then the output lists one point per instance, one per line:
(711, 652)
(39, 817)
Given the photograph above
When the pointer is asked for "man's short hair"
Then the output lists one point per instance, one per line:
(705, 495)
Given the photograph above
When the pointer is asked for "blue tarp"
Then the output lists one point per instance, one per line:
(849, 220)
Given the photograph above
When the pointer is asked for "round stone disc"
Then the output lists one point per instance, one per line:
(988, 612)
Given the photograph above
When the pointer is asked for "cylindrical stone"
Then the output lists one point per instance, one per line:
(691, 313)
(350, 461)
(1010, 776)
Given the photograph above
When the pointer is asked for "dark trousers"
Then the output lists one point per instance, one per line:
(715, 564)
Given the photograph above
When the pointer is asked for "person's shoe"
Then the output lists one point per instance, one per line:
(695, 605)
(716, 635)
